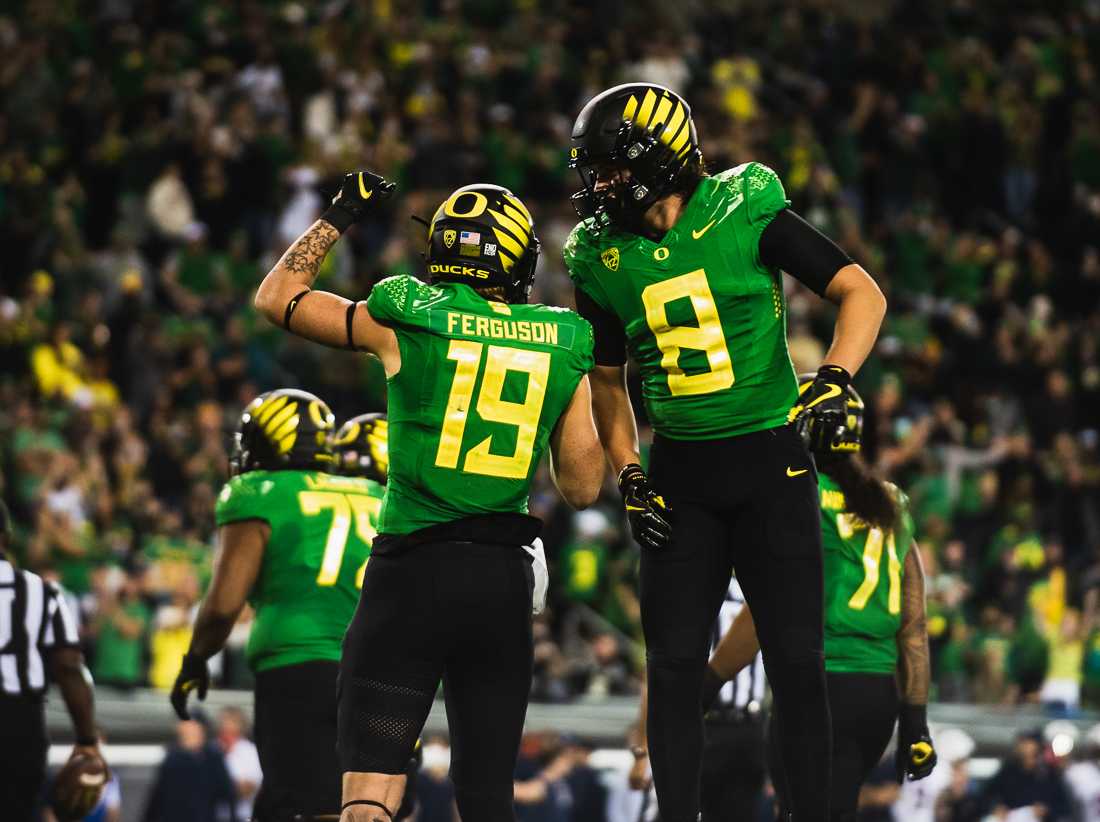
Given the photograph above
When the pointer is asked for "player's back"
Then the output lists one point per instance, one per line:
(863, 573)
(308, 586)
(481, 386)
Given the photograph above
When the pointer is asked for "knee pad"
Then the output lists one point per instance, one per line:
(485, 805)
(379, 720)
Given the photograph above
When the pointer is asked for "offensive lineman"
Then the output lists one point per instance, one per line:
(682, 270)
(480, 386)
(294, 541)
(876, 636)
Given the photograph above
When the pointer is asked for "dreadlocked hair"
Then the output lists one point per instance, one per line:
(865, 494)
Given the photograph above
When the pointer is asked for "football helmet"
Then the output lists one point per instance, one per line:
(824, 437)
(282, 429)
(360, 447)
(642, 128)
(484, 236)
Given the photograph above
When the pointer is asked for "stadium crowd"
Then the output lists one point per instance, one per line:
(156, 157)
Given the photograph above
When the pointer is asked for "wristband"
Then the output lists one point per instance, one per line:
(338, 217)
(913, 719)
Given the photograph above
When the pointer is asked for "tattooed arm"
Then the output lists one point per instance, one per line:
(914, 668)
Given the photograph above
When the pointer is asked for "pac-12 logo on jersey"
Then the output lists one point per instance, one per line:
(610, 259)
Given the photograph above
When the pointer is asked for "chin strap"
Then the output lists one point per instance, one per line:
(370, 802)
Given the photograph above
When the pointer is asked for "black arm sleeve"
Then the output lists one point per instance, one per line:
(610, 348)
(791, 243)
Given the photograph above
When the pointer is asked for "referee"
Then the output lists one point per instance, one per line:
(734, 761)
(37, 634)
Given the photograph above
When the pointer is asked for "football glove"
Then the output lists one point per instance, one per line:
(645, 508)
(360, 192)
(193, 676)
(915, 756)
(822, 407)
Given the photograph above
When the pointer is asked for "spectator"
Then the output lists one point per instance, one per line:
(241, 759)
(120, 625)
(1026, 781)
(192, 783)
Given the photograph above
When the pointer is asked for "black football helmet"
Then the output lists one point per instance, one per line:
(283, 429)
(643, 128)
(361, 447)
(483, 236)
(823, 438)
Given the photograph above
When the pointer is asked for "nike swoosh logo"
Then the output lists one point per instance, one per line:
(420, 305)
(695, 235)
(834, 391)
(792, 473)
(363, 189)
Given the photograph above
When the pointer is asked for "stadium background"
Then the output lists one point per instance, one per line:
(156, 158)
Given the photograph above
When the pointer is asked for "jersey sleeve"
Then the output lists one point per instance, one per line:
(906, 528)
(584, 345)
(396, 300)
(62, 628)
(244, 497)
(764, 195)
(578, 254)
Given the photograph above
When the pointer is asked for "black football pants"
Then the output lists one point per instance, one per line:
(864, 710)
(456, 611)
(22, 757)
(749, 502)
(734, 766)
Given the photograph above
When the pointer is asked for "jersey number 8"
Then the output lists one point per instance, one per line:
(706, 337)
(492, 408)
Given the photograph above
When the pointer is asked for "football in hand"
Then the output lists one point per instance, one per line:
(78, 786)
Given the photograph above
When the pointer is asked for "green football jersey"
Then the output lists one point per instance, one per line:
(863, 573)
(321, 531)
(704, 318)
(481, 386)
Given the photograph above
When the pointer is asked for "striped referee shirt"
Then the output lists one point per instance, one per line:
(33, 619)
(746, 690)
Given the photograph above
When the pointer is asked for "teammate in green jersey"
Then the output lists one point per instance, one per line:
(293, 542)
(876, 640)
(682, 270)
(481, 385)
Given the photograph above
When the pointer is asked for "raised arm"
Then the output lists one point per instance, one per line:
(236, 567)
(575, 462)
(286, 296)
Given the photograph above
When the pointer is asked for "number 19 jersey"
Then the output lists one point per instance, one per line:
(321, 532)
(704, 318)
(863, 573)
(482, 385)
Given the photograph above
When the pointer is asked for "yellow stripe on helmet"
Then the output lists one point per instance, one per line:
(661, 116)
(522, 233)
(274, 426)
(630, 108)
(268, 407)
(349, 435)
(508, 242)
(678, 129)
(522, 221)
(645, 113)
(518, 204)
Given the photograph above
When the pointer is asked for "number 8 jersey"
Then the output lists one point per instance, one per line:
(704, 318)
(863, 573)
(481, 387)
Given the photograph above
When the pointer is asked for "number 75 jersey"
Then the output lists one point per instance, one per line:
(308, 586)
(705, 319)
(482, 385)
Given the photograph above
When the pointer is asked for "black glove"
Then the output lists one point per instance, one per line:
(915, 757)
(645, 508)
(192, 676)
(359, 193)
(822, 407)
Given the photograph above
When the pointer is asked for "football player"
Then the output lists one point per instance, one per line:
(481, 385)
(876, 637)
(681, 270)
(293, 541)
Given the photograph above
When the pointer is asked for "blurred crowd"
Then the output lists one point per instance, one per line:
(156, 158)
